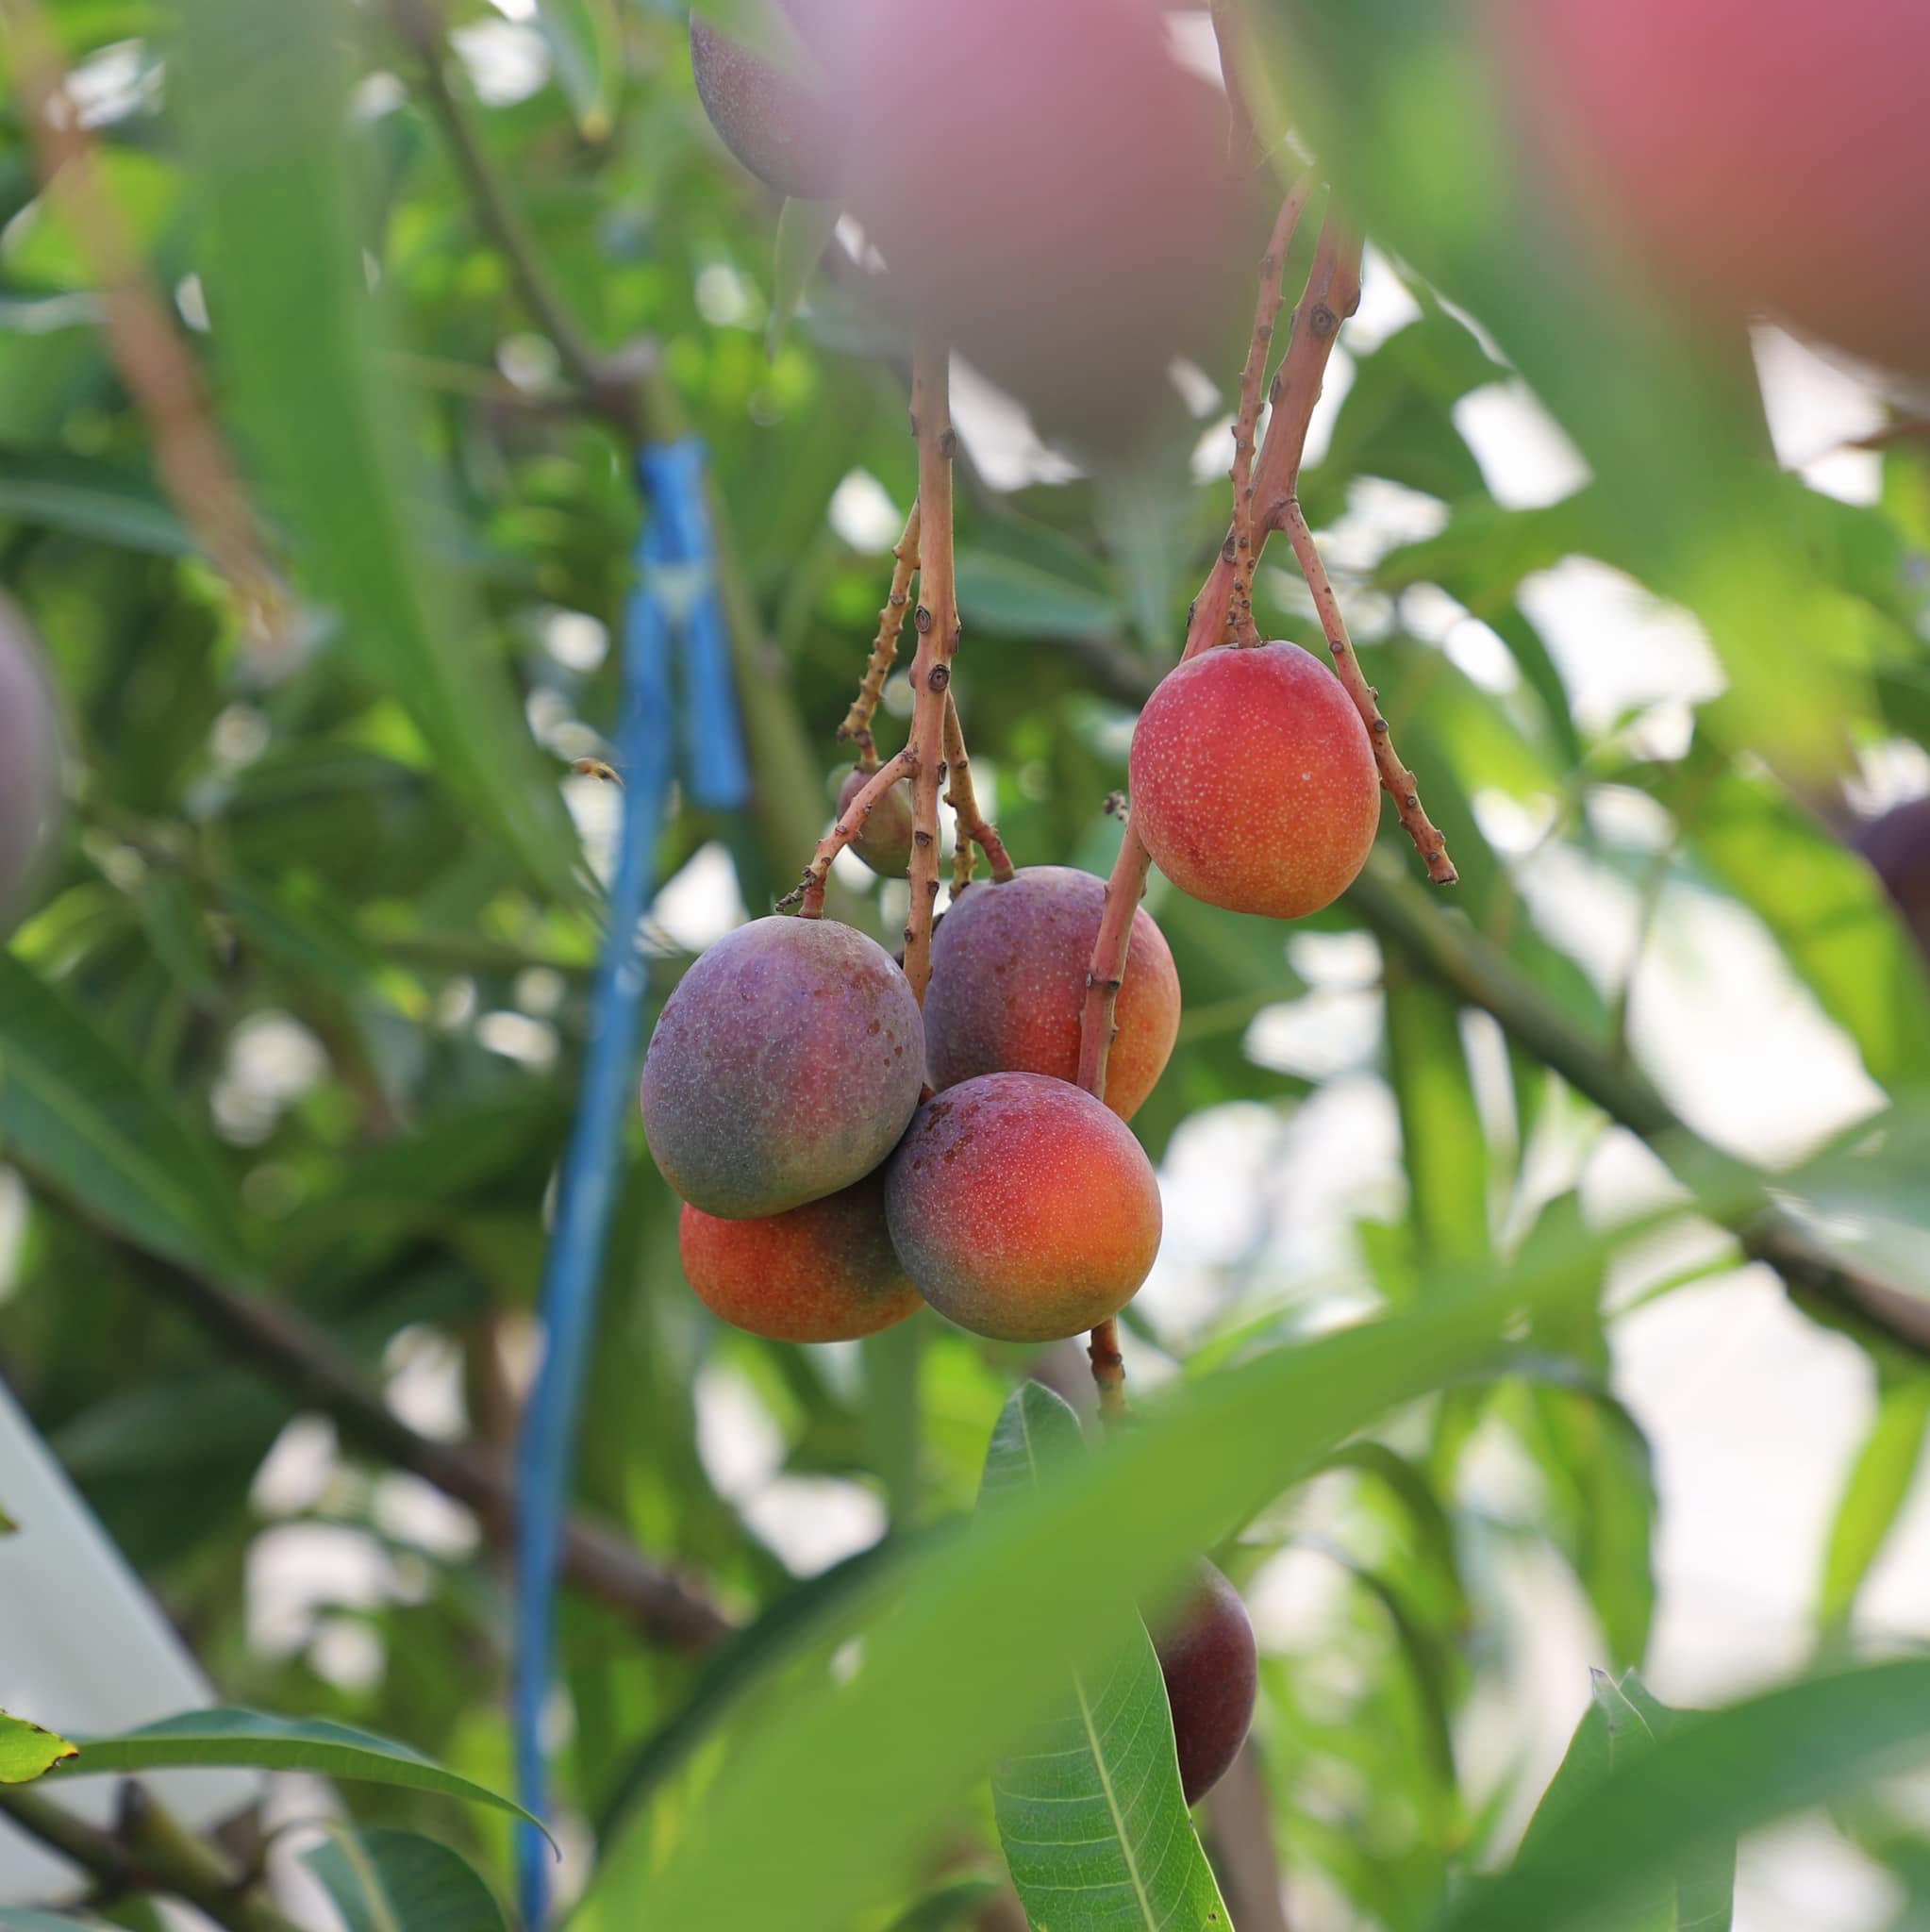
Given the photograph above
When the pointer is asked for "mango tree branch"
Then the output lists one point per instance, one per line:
(1456, 956)
(612, 389)
(848, 825)
(962, 797)
(149, 1849)
(937, 619)
(1243, 537)
(1400, 782)
(279, 1344)
(857, 721)
(1333, 290)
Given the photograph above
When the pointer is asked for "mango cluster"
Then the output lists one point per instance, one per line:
(845, 1158)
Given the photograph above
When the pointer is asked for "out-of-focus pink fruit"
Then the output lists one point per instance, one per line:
(1764, 155)
(1054, 195)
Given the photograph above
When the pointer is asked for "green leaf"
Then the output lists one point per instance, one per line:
(585, 40)
(1025, 582)
(1090, 1815)
(87, 498)
(804, 232)
(27, 1751)
(980, 1637)
(265, 98)
(1874, 1495)
(1713, 1776)
(1443, 1142)
(255, 1741)
(950, 1906)
(77, 1114)
(383, 1880)
(24, 1919)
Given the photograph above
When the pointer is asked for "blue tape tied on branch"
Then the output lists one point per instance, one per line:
(674, 636)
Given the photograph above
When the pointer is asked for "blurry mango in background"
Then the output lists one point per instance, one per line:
(1043, 179)
(1763, 157)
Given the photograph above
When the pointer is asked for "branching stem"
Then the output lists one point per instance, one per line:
(849, 825)
(149, 1849)
(1266, 483)
(613, 390)
(1245, 540)
(857, 721)
(937, 619)
(1400, 782)
(974, 832)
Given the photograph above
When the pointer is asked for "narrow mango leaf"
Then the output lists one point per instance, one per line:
(981, 1632)
(254, 1740)
(1713, 1776)
(1022, 582)
(75, 1114)
(27, 1751)
(585, 40)
(1705, 1880)
(1828, 915)
(951, 1905)
(1873, 1496)
(265, 101)
(804, 232)
(1090, 1814)
(382, 1880)
(1443, 1143)
(87, 498)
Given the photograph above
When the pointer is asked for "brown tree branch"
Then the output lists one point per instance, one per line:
(857, 721)
(848, 824)
(1245, 541)
(974, 830)
(278, 1342)
(937, 619)
(608, 383)
(1473, 968)
(1401, 784)
(1333, 290)
(149, 1849)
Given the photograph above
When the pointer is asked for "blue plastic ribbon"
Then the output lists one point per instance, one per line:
(671, 616)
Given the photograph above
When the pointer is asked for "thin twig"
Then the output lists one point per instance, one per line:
(1401, 784)
(1246, 422)
(273, 1339)
(149, 1849)
(975, 831)
(809, 893)
(937, 619)
(1124, 888)
(143, 339)
(1456, 956)
(857, 721)
(610, 387)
